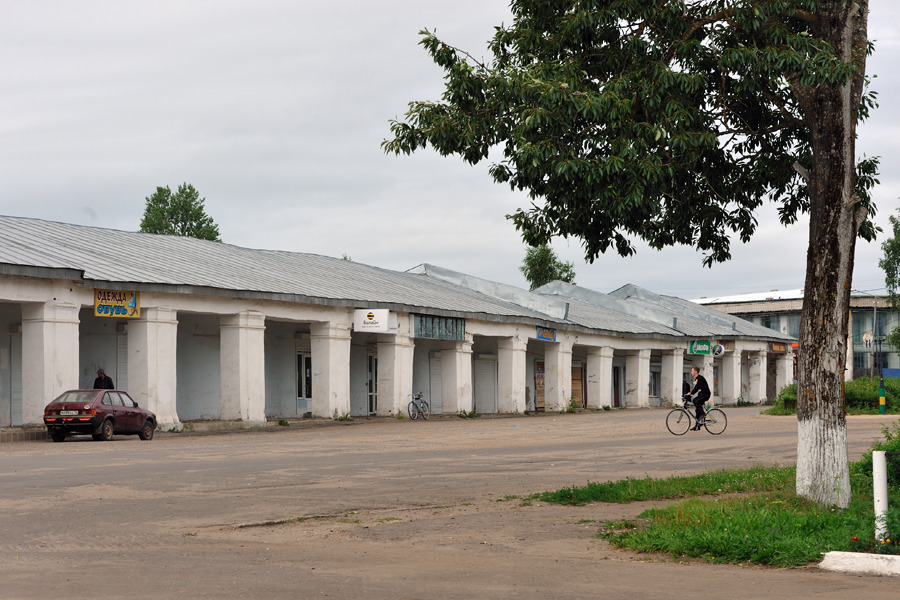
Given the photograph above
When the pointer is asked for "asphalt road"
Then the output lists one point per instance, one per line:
(376, 509)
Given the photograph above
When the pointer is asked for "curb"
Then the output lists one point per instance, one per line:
(861, 563)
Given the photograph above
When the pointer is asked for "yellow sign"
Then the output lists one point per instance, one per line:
(116, 303)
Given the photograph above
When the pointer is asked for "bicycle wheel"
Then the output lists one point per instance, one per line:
(678, 421)
(426, 410)
(412, 410)
(715, 421)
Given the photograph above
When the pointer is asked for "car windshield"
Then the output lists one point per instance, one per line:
(77, 397)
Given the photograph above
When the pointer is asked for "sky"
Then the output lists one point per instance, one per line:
(275, 110)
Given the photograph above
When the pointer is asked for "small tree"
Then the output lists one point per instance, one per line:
(541, 266)
(181, 213)
(891, 266)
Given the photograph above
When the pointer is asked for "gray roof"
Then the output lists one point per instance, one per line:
(148, 262)
(143, 261)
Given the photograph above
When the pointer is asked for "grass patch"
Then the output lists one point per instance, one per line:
(744, 515)
(754, 479)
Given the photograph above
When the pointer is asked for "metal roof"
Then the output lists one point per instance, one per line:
(107, 257)
(132, 260)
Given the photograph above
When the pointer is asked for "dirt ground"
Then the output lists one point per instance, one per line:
(378, 508)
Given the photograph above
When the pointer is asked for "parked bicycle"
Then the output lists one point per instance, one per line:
(417, 407)
(680, 420)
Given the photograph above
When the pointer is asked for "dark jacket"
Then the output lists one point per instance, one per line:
(104, 382)
(701, 389)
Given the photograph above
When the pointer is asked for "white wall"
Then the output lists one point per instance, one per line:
(281, 370)
(199, 387)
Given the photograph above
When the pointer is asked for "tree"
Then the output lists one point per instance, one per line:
(672, 122)
(890, 264)
(541, 266)
(181, 213)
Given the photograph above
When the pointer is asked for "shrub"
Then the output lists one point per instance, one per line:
(891, 443)
(862, 393)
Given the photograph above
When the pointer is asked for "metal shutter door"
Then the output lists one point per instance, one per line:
(434, 372)
(485, 385)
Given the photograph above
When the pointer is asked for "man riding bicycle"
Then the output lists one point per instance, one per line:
(701, 394)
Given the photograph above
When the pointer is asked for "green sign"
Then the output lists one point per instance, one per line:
(440, 328)
(699, 347)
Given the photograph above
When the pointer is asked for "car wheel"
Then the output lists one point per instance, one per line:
(106, 431)
(146, 432)
(57, 435)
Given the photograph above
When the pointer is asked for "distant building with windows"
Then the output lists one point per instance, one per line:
(871, 319)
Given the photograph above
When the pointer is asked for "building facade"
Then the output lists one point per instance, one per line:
(871, 319)
(203, 331)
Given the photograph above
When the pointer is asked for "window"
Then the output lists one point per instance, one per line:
(792, 325)
(654, 384)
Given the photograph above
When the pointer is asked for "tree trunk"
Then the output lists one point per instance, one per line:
(831, 114)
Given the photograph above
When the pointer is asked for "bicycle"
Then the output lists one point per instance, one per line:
(680, 420)
(417, 407)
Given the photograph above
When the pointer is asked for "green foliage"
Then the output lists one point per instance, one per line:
(468, 414)
(778, 529)
(861, 397)
(891, 443)
(181, 213)
(746, 515)
(862, 394)
(754, 479)
(669, 122)
(890, 264)
(785, 402)
(284, 422)
(541, 265)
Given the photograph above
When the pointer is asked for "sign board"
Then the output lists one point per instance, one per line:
(375, 320)
(546, 334)
(777, 348)
(116, 303)
(699, 347)
(440, 328)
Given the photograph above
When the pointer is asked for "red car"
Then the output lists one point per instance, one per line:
(101, 413)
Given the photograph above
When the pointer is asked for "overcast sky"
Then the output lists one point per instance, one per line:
(275, 110)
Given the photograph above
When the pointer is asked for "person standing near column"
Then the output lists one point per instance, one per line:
(103, 381)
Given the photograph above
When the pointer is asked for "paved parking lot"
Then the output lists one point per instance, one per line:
(377, 509)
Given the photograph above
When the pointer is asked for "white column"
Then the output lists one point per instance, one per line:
(758, 372)
(456, 376)
(557, 374)
(152, 365)
(670, 376)
(599, 376)
(730, 376)
(511, 374)
(848, 361)
(243, 369)
(637, 378)
(330, 355)
(49, 355)
(395, 373)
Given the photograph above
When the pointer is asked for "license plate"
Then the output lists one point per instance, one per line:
(68, 413)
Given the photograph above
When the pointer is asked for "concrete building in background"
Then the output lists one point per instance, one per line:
(204, 331)
(871, 319)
